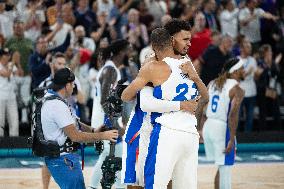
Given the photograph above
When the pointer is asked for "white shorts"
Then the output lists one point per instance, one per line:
(140, 156)
(216, 135)
(172, 155)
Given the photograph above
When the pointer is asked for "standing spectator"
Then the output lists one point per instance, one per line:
(201, 37)
(229, 19)
(118, 16)
(278, 33)
(135, 32)
(210, 64)
(209, 7)
(157, 9)
(54, 12)
(103, 29)
(34, 18)
(248, 84)
(104, 6)
(8, 103)
(145, 17)
(83, 41)
(25, 47)
(6, 20)
(267, 97)
(249, 18)
(39, 62)
(85, 16)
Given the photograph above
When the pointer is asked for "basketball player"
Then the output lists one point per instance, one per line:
(179, 30)
(219, 132)
(174, 134)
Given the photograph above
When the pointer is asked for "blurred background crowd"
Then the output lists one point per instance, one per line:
(33, 32)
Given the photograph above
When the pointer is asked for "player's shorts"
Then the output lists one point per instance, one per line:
(134, 155)
(216, 135)
(172, 155)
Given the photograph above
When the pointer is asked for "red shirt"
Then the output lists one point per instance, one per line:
(199, 42)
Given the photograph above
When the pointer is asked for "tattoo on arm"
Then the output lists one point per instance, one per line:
(238, 95)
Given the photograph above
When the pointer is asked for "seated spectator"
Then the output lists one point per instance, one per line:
(267, 94)
(201, 37)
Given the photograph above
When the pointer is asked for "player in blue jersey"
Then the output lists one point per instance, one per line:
(222, 113)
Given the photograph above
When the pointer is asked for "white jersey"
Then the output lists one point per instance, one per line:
(98, 113)
(185, 89)
(219, 101)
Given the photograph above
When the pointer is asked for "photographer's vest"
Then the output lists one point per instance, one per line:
(98, 114)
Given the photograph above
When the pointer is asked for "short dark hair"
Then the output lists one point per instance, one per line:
(114, 48)
(176, 25)
(160, 39)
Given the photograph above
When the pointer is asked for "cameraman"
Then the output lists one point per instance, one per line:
(58, 123)
(57, 62)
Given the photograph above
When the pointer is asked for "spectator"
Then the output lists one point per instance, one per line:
(267, 95)
(250, 22)
(8, 103)
(135, 32)
(25, 47)
(103, 29)
(85, 16)
(53, 13)
(201, 37)
(210, 64)
(216, 38)
(209, 7)
(189, 13)
(278, 33)
(83, 41)
(104, 6)
(145, 17)
(229, 19)
(34, 18)
(39, 62)
(68, 14)
(6, 20)
(157, 9)
(248, 84)
(118, 16)
(165, 19)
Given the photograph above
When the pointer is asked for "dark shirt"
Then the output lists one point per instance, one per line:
(212, 62)
(87, 19)
(39, 69)
(267, 74)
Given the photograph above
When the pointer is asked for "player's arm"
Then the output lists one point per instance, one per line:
(136, 85)
(149, 103)
(236, 96)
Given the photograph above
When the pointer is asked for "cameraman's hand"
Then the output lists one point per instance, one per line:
(111, 135)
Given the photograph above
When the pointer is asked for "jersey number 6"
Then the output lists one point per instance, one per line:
(214, 103)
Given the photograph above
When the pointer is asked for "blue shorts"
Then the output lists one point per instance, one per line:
(66, 171)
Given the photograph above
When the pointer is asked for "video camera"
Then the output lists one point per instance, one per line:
(113, 107)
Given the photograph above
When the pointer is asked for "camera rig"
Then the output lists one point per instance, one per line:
(113, 109)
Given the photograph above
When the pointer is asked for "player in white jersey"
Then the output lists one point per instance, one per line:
(173, 148)
(219, 132)
(108, 77)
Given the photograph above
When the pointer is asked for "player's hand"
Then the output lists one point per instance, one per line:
(189, 105)
(187, 68)
(229, 147)
(111, 135)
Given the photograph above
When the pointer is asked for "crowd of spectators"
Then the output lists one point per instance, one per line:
(32, 31)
